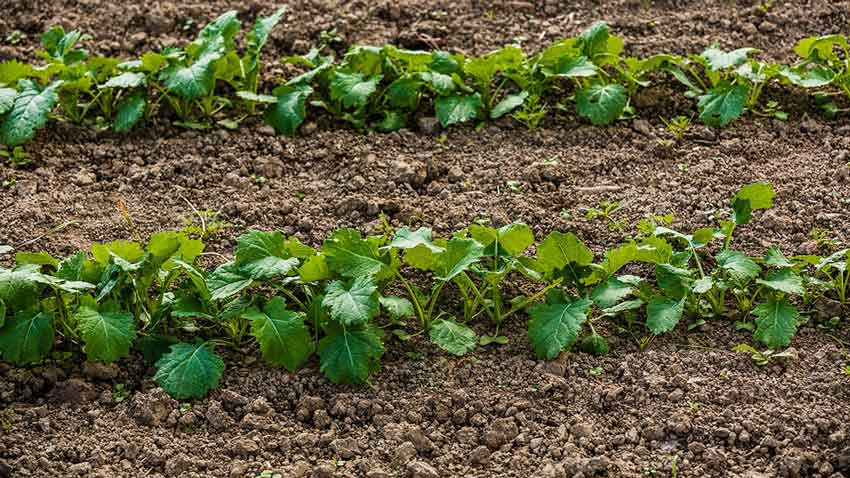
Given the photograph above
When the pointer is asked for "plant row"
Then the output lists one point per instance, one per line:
(215, 80)
(356, 295)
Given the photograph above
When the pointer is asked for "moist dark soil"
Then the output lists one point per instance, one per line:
(684, 405)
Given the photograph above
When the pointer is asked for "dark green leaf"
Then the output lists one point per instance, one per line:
(454, 338)
(189, 371)
(601, 104)
(284, 339)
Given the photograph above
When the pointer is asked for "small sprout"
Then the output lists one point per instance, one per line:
(120, 393)
(532, 112)
(17, 157)
(299, 195)
(8, 183)
(269, 474)
(258, 179)
(683, 167)
(605, 211)
(204, 224)
(596, 371)
(514, 187)
(185, 407)
(15, 37)
(678, 126)
(824, 238)
(766, 357)
(442, 140)
(694, 406)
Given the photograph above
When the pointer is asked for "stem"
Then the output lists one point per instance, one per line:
(419, 311)
(533, 298)
(433, 302)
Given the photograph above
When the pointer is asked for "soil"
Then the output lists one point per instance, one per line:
(684, 406)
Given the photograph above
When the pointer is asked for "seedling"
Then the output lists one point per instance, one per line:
(17, 157)
(605, 211)
(762, 358)
(120, 393)
(204, 224)
(678, 126)
(824, 239)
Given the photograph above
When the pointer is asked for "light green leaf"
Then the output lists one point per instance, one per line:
(662, 314)
(353, 89)
(784, 280)
(126, 80)
(27, 337)
(403, 93)
(7, 100)
(350, 255)
(749, 198)
(559, 250)
(740, 267)
(458, 109)
(257, 39)
(717, 59)
(808, 77)
(284, 339)
(776, 323)
(456, 259)
(407, 239)
(189, 371)
(774, 257)
(454, 338)
(264, 255)
(508, 104)
(398, 307)
(574, 67)
(601, 104)
(314, 269)
(555, 325)
(352, 303)
(350, 355)
(130, 111)
(108, 334)
(512, 239)
(193, 81)
(723, 104)
(29, 112)
(129, 251)
(610, 293)
(37, 258)
(227, 280)
(289, 112)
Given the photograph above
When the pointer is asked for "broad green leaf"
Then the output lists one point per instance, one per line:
(662, 314)
(784, 280)
(483, 68)
(443, 85)
(227, 280)
(350, 255)
(19, 287)
(626, 306)
(749, 198)
(454, 338)
(11, 71)
(723, 104)
(512, 239)
(258, 37)
(718, 59)
(37, 258)
(108, 334)
(444, 62)
(352, 303)
(601, 104)
(398, 307)
(808, 77)
(740, 267)
(289, 112)
(703, 285)
(350, 355)
(653, 250)
(508, 104)
(406, 239)
(458, 109)
(129, 251)
(314, 269)
(130, 111)
(456, 259)
(193, 81)
(599, 45)
(263, 255)
(559, 250)
(7, 100)
(610, 293)
(555, 325)
(126, 80)
(284, 339)
(217, 35)
(27, 337)
(574, 67)
(393, 121)
(353, 89)
(674, 281)
(365, 59)
(189, 371)
(256, 98)
(595, 345)
(776, 323)
(2, 315)
(403, 93)
(820, 48)
(29, 112)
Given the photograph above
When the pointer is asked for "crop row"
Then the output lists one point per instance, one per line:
(338, 302)
(210, 82)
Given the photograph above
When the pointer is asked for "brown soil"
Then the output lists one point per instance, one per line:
(497, 412)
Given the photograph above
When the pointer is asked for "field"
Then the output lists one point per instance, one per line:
(477, 385)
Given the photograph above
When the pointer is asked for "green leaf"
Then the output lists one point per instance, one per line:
(444, 62)
(130, 111)
(784, 280)
(717, 59)
(393, 121)
(454, 338)
(555, 325)
(264, 255)
(350, 355)
(216, 36)
(399, 308)
(193, 81)
(108, 334)
(350, 255)
(598, 44)
(443, 85)
(483, 68)
(610, 293)
(189, 371)
(559, 250)
(456, 259)
(314, 269)
(129, 251)
(289, 112)
(227, 280)
(574, 67)
(2, 315)
(403, 93)
(776, 323)
(37, 258)
(740, 267)
(258, 37)
(512, 239)
(19, 287)
(352, 303)
(7, 100)
(458, 109)
(126, 80)
(353, 89)
(27, 337)
(508, 104)
(749, 198)
(284, 339)
(407, 239)
(808, 77)
(29, 112)
(595, 345)
(775, 258)
(601, 104)
(723, 104)
(11, 71)
(662, 314)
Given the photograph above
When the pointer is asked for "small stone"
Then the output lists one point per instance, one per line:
(246, 447)
(74, 391)
(217, 417)
(420, 469)
(152, 408)
(455, 174)
(83, 468)
(480, 455)
(428, 125)
(345, 448)
(325, 470)
(84, 178)
(404, 453)
(100, 371)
